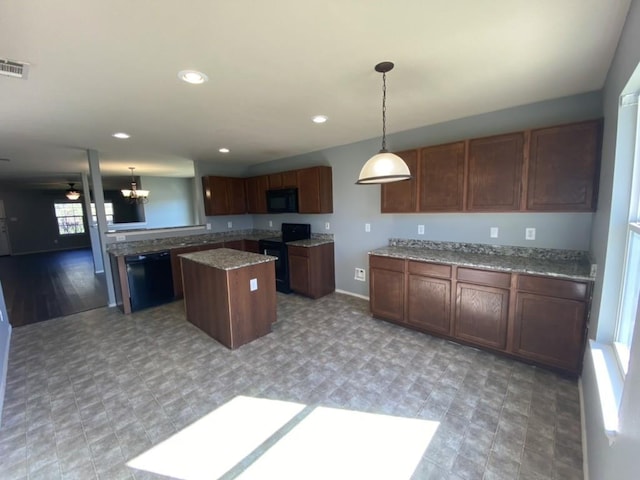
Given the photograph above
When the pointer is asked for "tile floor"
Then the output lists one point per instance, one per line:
(88, 392)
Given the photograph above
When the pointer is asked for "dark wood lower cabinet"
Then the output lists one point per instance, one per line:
(533, 318)
(176, 266)
(312, 270)
(482, 314)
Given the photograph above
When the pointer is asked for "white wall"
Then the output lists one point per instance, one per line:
(622, 459)
(355, 205)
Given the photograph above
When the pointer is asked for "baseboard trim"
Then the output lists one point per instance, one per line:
(583, 428)
(352, 294)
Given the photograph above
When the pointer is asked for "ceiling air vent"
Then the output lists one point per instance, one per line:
(13, 69)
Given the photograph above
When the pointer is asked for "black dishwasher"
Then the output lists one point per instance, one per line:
(150, 279)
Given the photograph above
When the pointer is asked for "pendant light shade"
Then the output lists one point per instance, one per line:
(384, 167)
(72, 193)
(134, 194)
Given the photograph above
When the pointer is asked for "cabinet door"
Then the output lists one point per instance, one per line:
(495, 173)
(386, 287)
(550, 330)
(563, 167)
(236, 195)
(315, 191)
(441, 178)
(299, 274)
(251, 246)
(429, 303)
(234, 244)
(274, 180)
(290, 179)
(401, 197)
(481, 315)
(215, 195)
(257, 194)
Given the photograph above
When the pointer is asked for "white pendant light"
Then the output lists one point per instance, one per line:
(134, 194)
(384, 167)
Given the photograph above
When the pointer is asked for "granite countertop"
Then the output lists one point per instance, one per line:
(157, 245)
(227, 258)
(537, 262)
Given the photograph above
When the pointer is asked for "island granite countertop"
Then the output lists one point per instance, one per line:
(227, 258)
(570, 264)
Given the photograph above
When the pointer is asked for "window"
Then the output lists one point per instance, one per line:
(108, 210)
(69, 217)
(628, 307)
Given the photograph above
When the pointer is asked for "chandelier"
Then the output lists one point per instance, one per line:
(134, 194)
(384, 167)
(72, 193)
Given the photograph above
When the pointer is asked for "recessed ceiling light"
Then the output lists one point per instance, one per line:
(320, 119)
(224, 150)
(121, 135)
(192, 76)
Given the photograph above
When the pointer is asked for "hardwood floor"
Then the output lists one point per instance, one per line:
(42, 286)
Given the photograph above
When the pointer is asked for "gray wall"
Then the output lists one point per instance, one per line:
(170, 202)
(355, 205)
(32, 223)
(620, 460)
(5, 337)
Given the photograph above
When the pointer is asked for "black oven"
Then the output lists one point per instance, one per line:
(277, 247)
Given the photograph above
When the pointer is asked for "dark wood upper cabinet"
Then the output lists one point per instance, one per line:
(564, 164)
(315, 191)
(494, 178)
(257, 194)
(290, 179)
(223, 195)
(401, 197)
(441, 178)
(274, 180)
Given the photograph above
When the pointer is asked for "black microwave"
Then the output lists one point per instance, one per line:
(284, 200)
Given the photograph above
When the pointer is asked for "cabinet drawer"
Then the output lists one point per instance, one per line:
(387, 263)
(484, 277)
(430, 269)
(553, 287)
(298, 251)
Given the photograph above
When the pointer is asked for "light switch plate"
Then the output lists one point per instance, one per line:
(420, 229)
(327, 225)
(367, 227)
(208, 226)
(271, 223)
(253, 284)
(229, 224)
(529, 233)
(493, 232)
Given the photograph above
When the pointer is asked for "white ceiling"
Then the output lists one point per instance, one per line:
(99, 67)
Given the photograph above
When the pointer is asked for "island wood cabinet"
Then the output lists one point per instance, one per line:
(551, 169)
(224, 195)
(176, 267)
(533, 318)
(549, 326)
(312, 270)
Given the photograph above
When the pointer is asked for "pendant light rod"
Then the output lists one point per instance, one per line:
(384, 67)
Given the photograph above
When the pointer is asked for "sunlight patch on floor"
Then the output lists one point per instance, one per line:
(345, 444)
(326, 443)
(214, 444)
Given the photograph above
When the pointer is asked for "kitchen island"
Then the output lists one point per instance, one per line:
(230, 294)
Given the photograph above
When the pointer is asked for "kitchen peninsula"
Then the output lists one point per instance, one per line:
(230, 294)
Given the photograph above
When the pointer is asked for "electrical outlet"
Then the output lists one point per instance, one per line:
(253, 284)
(367, 227)
(208, 226)
(420, 229)
(1, 317)
(360, 274)
(120, 238)
(529, 233)
(493, 232)
(327, 225)
(229, 224)
(594, 269)
(271, 223)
